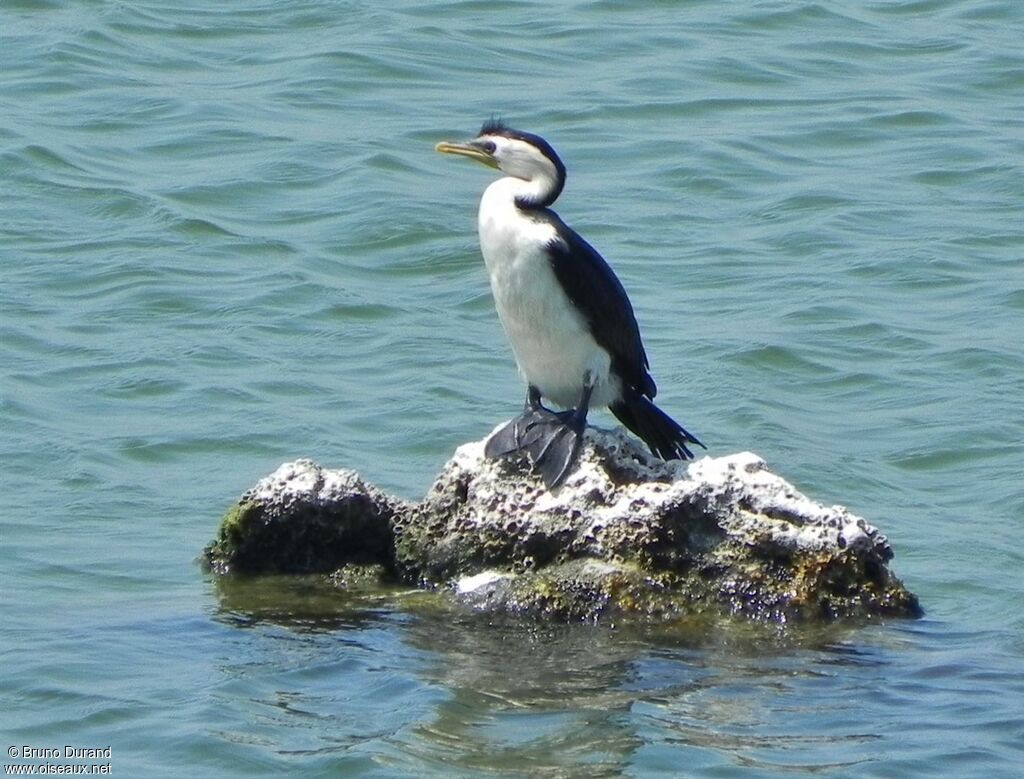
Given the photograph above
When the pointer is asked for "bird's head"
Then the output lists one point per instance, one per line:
(517, 154)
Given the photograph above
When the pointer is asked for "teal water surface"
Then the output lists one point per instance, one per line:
(226, 243)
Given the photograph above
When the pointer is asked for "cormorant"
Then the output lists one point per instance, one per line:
(566, 315)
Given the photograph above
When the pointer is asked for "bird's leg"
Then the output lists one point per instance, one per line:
(535, 417)
(576, 418)
(532, 398)
(555, 448)
(523, 430)
(551, 440)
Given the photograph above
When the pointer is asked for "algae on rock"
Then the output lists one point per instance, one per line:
(305, 519)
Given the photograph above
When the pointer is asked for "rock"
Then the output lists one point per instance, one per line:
(305, 519)
(626, 536)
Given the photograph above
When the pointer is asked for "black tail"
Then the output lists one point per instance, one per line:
(666, 437)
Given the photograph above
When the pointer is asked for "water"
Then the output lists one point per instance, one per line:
(227, 243)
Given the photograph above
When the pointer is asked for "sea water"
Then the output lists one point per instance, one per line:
(227, 243)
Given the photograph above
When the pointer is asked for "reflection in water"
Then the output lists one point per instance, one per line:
(527, 697)
(467, 693)
(555, 697)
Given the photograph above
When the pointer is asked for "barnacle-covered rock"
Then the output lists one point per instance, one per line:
(625, 536)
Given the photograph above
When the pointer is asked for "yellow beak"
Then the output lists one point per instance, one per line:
(467, 150)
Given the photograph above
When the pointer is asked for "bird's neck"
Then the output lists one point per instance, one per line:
(507, 230)
(529, 194)
(500, 215)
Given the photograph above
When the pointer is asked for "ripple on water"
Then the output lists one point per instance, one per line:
(228, 243)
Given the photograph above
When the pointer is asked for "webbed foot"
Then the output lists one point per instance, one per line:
(551, 441)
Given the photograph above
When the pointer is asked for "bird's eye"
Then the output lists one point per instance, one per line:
(488, 146)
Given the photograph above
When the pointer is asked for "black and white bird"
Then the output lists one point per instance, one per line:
(566, 315)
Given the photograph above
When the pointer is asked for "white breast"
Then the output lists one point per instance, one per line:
(550, 339)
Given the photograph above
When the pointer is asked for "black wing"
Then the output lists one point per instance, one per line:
(596, 291)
